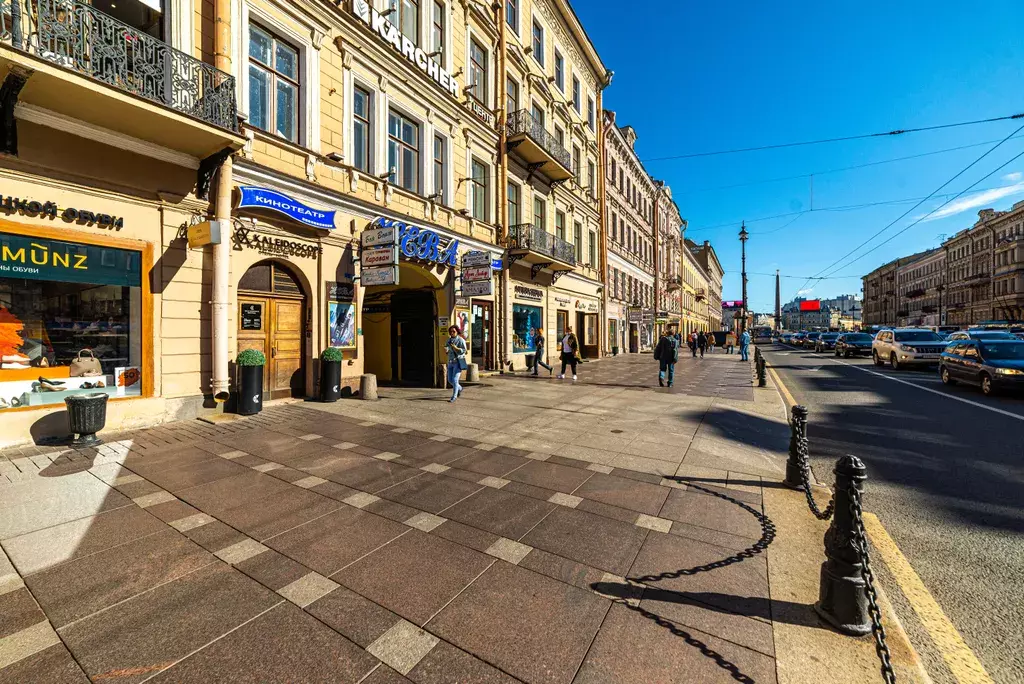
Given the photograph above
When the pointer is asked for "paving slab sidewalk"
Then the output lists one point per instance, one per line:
(534, 531)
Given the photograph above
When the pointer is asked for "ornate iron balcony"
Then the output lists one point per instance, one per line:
(530, 237)
(674, 283)
(83, 39)
(522, 122)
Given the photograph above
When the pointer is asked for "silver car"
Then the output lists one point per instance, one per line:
(907, 347)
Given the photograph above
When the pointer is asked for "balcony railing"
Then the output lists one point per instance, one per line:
(522, 122)
(529, 237)
(919, 292)
(700, 295)
(674, 283)
(83, 39)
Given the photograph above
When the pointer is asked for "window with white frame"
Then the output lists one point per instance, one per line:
(592, 178)
(406, 17)
(478, 188)
(404, 151)
(577, 235)
(538, 42)
(512, 14)
(576, 102)
(511, 95)
(440, 167)
(438, 26)
(591, 113)
(559, 70)
(560, 136)
(576, 170)
(538, 114)
(593, 249)
(515, 204)
(540, 214)
(362, 129)
(560, 224)
(274, 85)
(478, 71)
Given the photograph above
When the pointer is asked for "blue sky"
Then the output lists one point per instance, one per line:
(698, 76)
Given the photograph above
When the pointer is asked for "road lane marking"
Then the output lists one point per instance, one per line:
(783, 390)
(959, 657)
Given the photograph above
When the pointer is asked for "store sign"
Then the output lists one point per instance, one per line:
(385, 256)
(732, 305)
(476, 273)
(634, 315)
(11, 205)
(202, 234)
(340, 292)
(252, 317)
(480, 288)
(476, 258)
(387, 275)
(462, 302)
(274, 246)
(378, 237)
(418, 56)
(591, 307)
(563, 301)
(481, 112)
(34, 258)
(422, 243)
(523, 292)
(264, 198)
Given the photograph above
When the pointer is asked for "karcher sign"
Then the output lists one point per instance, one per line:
(390, 33)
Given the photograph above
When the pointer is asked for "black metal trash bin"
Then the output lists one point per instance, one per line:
(330, 381)
(250, 390)
(87, 415)
(530, 361)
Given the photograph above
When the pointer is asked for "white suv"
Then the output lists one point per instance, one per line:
(907, 347)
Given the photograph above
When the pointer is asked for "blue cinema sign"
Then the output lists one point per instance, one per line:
(264, 198)
(420, 243)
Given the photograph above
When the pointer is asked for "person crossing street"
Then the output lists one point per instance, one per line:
(667, 354)
(570, 352)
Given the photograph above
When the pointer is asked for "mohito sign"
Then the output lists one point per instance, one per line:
(418, 56)
(421, 243)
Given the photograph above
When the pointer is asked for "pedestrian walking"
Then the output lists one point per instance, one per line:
(711, 342)
(667, 354)
(730, 342)
(570, 352)
(744, 346)
(456, 347)
(693, 343)
(702, 342)
(538, 351)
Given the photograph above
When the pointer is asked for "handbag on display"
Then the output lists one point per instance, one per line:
(83, 366)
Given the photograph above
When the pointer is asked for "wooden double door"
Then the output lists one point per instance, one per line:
(274, 326)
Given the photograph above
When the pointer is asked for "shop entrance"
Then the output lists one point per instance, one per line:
(634, 338)
(271, 311)
(586, 333)
(412, 329)
(483, 322)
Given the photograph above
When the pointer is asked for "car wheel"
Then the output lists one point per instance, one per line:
(894, 362)
(987, 388)
(947, 379)
(846, 355)
(837, 353)
(878, 361)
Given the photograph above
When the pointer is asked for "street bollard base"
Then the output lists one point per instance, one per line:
(842, 600)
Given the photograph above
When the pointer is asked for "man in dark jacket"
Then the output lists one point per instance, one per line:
(702, 342)
(667, 353)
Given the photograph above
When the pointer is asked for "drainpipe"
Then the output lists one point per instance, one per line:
(602, 131)
(502, 112)
(222, 213)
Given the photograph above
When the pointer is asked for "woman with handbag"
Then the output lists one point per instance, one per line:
(570, 352)
(538, 353)
(456, 347)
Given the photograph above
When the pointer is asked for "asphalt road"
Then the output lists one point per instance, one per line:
(946, 479)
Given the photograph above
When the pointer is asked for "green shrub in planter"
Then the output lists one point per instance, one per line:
(251, 357)
(332, 354)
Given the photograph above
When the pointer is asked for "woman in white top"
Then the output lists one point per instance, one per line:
(570, 352)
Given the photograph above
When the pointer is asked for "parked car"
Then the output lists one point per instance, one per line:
(825, 342)
(993, 365)
(851, 344)
(981, 335)
(797, 340)
(810, 339)
(907, 347)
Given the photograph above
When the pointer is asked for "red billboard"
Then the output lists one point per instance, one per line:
(811, 305)
(732, 304)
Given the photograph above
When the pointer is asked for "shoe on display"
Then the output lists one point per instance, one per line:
(99, 383)
(15, 402)
(86, 385)
(50, 382)
(3, 403)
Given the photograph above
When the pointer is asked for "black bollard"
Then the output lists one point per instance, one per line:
(762, 369)
(842, 599)
(797, 435)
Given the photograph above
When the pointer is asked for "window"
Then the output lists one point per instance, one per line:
(538, 42)
(592, 178)
(514, 204)
(440, 167)
(615, 224)
(576, 95)
(404, 151)
(512, 14)
(273, 84)
(478, 72)
(590, 113)
(560, 225)
(362, 137)
(478, 191)
(576, 171)
(539, 213)
(80, 297)
(526, 320)
(577, 234)
(593, 249)
(406, 17)
(559, 70)
(437, 30)
(511, 96)
(560, 135)
(613, 171)
(538, 114)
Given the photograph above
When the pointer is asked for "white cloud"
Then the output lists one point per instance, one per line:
(981, 199)
(801, 293)
(1014, 177)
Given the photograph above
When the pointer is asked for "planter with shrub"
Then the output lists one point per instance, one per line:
(250, 381)
(330, 374)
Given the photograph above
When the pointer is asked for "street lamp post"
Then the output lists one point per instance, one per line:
(744, 236)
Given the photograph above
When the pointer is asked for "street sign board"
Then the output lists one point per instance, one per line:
(476, 273)
(381, 256)
(202, 234)
(379, 237)
(480, 288)
(386, 275)
(476, 258)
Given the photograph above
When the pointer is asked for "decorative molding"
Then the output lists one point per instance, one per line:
(311, 160)
(67, 124)
(317, 38)
(554, 22)
(378, 192)
(383, 83)
(250, 137)
(389, 193)
(353, 180)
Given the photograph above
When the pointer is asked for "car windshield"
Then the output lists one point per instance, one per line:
(1003, 351)
(813, 336)
(918, 336)
(830, 336)
(992, 335)
(861, 337)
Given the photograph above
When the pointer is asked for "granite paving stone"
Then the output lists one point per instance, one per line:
(617, 491)
(500, 512)
(712, 512)
(489, 463)
(446, 664)
(265, 517)
(430, 492)
(551, 476)
(353, 616)
(609, 545)
(53, 665)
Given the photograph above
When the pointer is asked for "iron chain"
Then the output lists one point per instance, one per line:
(877, 630)
(803, 452)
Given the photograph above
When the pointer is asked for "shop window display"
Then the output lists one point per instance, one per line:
(70, 321)
(525, 321)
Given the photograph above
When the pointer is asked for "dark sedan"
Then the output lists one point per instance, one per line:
(993, 365)
(851, 344)
(826, 342)
(810, 339)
